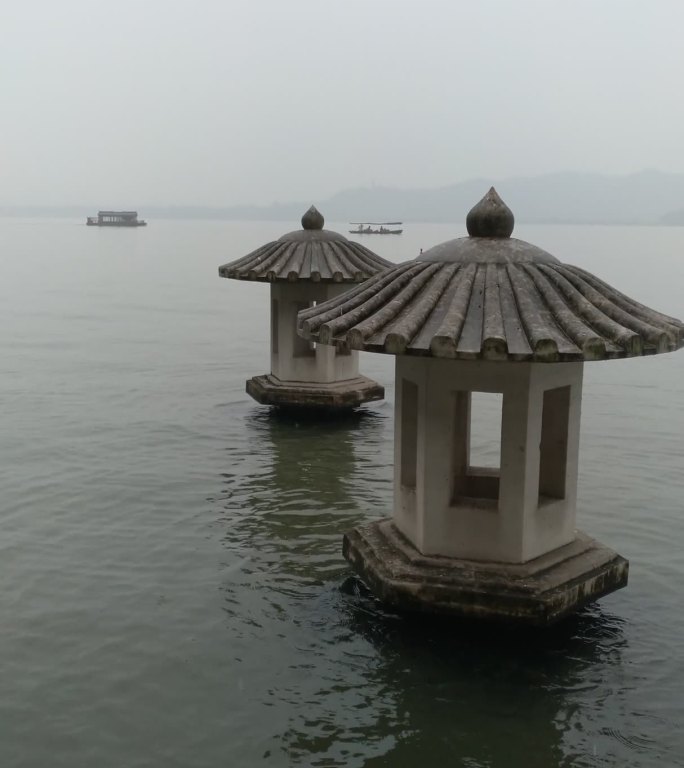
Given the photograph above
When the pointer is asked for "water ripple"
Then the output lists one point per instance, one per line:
(173, 586)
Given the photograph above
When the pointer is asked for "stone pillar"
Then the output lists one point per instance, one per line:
(514, 513)
(299, 360)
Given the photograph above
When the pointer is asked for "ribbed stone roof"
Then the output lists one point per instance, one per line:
(489, 296)
(311, 253)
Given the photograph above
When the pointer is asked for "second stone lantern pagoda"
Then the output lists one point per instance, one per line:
(304, 268)
(488, 313)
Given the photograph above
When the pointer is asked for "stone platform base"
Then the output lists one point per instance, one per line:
(340, 395)
(539, 592)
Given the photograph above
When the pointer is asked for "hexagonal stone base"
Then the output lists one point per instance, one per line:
(539, 592)
(339, 395)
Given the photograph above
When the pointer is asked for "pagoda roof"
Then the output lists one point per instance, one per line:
(491, 297)
(311, 254)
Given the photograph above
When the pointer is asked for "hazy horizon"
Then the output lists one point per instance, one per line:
(237, 103)
(303, 200)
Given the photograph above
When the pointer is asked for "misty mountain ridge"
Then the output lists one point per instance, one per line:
(646, 197)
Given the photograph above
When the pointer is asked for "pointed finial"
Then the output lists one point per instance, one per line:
(491, 217)
(312, 219)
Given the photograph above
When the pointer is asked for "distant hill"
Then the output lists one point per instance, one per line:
(640, 198)
(647, 197)
(673, 218)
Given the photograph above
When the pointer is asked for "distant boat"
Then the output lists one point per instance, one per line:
(366, 228)
(116, 219)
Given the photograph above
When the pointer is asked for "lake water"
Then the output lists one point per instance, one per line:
(172, 590)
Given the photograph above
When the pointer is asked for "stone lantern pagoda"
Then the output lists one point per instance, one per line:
(488, 313)
(304, 268)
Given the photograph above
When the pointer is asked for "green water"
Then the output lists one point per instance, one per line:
(172, 588)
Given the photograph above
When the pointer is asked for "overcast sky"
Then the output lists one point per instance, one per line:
(218, 102)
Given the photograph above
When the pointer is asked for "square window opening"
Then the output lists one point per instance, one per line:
(301, 347)
(477, 448)
(274, 326)
(409, 433)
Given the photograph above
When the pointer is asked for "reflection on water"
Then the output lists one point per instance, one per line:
(490, 699)
(300, 507)
(284, 517)
(359, 685)
(311, 459)
(299, 493)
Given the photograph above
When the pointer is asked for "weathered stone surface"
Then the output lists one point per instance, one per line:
(539, 592)
(491, 217)
(310, 254)
(338, 395)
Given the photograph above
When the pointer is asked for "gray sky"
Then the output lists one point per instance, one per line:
(220, 102)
